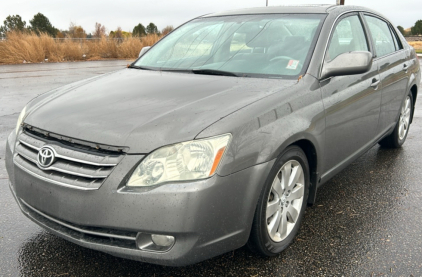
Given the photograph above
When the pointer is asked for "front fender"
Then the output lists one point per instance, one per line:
(414, 79)
(261, 131)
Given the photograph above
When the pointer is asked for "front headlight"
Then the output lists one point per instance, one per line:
(20, 119)
(192, 160)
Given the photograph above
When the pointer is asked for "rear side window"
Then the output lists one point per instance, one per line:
(348, 36)
(381, 36)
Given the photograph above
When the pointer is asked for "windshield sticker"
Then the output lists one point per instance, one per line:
(292, 64)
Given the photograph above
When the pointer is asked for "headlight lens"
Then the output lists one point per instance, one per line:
(20, 119)
(192, 160)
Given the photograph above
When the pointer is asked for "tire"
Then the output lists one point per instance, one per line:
(270, 243)
(399, 134)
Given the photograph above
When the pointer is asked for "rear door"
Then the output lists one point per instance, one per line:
(352, 102)
(393, 68)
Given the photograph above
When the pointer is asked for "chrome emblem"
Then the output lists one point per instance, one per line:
(46, 157)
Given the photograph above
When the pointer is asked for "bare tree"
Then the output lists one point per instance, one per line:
(100, 30)
(167, 30)
(118, 33)
(76, 31)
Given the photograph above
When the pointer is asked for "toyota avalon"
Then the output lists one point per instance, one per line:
(217, 136)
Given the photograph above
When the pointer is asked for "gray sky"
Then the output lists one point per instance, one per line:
(129, 13)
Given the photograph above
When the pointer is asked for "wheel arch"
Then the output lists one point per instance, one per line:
(311, 154)
(309, 146)
(414, 91)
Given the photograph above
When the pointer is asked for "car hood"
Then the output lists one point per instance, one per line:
(144, 110)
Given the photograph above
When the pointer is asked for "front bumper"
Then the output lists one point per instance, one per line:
(207, 217)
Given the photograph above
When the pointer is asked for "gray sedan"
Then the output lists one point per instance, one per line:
(217, 136)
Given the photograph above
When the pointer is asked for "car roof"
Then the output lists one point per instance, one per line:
(318, 9)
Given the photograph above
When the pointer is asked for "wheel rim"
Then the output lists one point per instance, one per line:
(285, 200)
(404, 118)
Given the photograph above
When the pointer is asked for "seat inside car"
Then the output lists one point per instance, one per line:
(291, 46)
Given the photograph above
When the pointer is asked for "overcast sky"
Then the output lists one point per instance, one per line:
(129, 13)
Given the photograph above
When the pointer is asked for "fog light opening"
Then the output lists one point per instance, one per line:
(154, 242)
(162, 240)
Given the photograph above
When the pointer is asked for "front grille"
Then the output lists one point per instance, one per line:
(95, 235)
(74, 166)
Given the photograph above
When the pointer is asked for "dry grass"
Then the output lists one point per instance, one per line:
(28, 47)
(416, 44)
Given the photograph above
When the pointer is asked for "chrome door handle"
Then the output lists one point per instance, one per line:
(405, 67)
(375, 83)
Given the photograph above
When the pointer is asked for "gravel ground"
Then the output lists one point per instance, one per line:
(367, 220)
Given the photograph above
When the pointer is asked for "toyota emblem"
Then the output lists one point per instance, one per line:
(46, 156)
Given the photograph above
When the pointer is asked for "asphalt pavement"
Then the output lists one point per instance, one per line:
(367, 220)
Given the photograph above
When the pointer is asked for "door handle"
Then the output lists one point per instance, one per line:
(405, 67)
(375, 83)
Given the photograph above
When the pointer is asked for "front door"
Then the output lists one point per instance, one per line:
(352, 103)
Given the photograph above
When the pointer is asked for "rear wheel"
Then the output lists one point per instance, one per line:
(399, 135)
(281, 204)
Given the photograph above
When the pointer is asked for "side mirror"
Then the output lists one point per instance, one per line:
(144, 50)
(350, 63)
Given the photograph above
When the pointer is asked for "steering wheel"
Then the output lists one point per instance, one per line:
(277, 58)
(287, 59)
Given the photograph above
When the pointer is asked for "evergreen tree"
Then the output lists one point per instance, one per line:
(12, 23)
(139, 31)
(152, 29)
(41, 24)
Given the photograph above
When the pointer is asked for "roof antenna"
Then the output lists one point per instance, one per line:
(340, 2)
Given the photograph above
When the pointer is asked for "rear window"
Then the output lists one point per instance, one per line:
(381, 36)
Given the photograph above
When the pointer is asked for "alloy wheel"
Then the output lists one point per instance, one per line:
(404, 118)
(285, 200)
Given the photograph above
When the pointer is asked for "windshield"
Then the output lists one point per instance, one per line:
(278, 45)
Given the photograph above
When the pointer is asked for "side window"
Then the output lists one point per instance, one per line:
(348, 36)
(381, 36)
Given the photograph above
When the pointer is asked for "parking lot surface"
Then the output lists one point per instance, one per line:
(367, 220)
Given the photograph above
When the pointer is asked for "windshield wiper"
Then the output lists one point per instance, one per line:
(214, 72)
(195, 71)
(139, 67)
(176, 70)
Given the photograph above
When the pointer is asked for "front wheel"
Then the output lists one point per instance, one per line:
(399, 135)
(281, 204)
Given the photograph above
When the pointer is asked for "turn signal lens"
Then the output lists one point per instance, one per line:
(217, 160)
(20, 119)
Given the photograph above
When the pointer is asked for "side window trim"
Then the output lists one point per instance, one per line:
(368, 41)
(397, 39)
(396, 46)
(375, 54)
(367, 34)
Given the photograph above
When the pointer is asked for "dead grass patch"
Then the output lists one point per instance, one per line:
(28, 47)
(416, 44)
